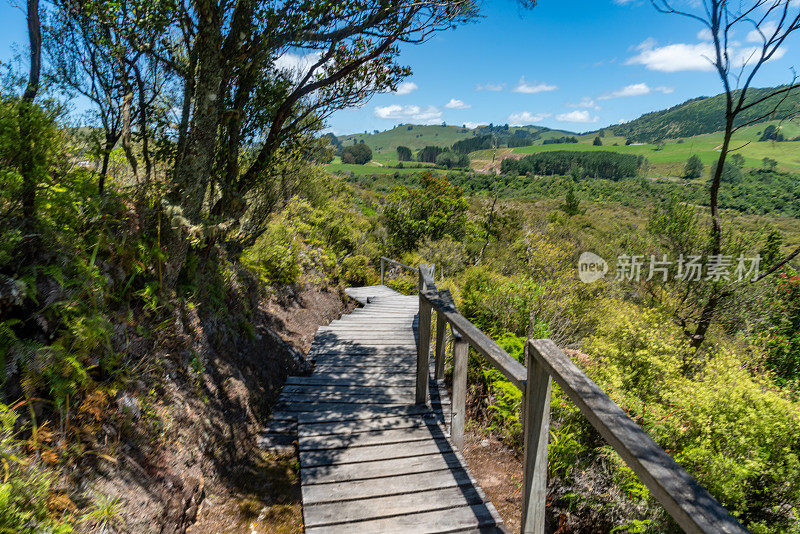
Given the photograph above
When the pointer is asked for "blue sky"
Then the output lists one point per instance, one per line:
(577, 65)
(584, 63)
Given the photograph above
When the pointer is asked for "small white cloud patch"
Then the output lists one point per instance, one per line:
(428, 115)
(457, 104)
(635, 89)
(579, 115)
(526, 117)
(532, 88)
(406, 88)
(490, 87)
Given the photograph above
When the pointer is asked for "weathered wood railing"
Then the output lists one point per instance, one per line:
(385, 260)
(689, 504)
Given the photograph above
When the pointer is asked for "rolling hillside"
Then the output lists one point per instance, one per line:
(667, 138)
(668, 158)
(703, 115)
(416, 136)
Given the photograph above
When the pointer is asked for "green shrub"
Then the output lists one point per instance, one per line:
(737, 435)
(356, 271)
(496, 303)
(25, 487)
(275, 256)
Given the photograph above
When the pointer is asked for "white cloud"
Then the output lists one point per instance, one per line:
(526, 117)
(429, 115)
(635, 89)
(531, 88)
(623, 2)
(473, 124)
(767, 30)
(490, 87)
(457, 104)
(296, 64)
(686, 56)
(674, 57)
(705, 35)
(751, 54)
(586, 102)
(577, 116)
(406, 88)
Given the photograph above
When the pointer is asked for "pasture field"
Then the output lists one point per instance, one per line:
(668, 160)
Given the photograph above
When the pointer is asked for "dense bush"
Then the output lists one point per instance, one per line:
(740, 438)
(452, 160)
(359, 154)
(599, 164)
(480, 142)
(429, 153)
(435, 210)
(26, 489)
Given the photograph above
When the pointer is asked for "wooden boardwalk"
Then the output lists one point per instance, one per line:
(370, 460)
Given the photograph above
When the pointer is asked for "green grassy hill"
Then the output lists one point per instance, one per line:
(416, 136)
(667, 138)
(703, 115)
(668, 160)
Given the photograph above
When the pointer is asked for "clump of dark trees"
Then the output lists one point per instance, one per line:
(358, 153)
(599, 164)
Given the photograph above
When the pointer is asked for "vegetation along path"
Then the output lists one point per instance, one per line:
(370, 459)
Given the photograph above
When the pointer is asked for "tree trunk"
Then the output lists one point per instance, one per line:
(710, 307)
(27, 165)
(127, 103)
(103, 171)
(196, 165)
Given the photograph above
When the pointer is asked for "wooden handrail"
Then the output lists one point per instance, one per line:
(689, 504)
(505, 363)
(385, 260)
(692, 507)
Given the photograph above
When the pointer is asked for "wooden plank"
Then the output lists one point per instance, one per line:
(321, 398)
(322, 428)
(366, 367)
(361, 347)
(500, 359)
(363, 379)
(320, 350)
(383, 356)
(381, 361)
(692, 507)
(369, 437)
(371, 453)
(354, 413)
(347, 389)
(292, 406)
(389, 486)
(405, 329)
(381, 507)
(382, 468)
(477, 516)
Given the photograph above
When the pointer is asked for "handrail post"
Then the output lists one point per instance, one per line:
(440, 345)
(536, 429)
(423, 349)
(459, 406)
(383, 268)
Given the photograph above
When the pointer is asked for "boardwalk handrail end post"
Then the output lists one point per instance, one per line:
(536, 429)
(424, 336)
(459, 403)
(440, 345)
